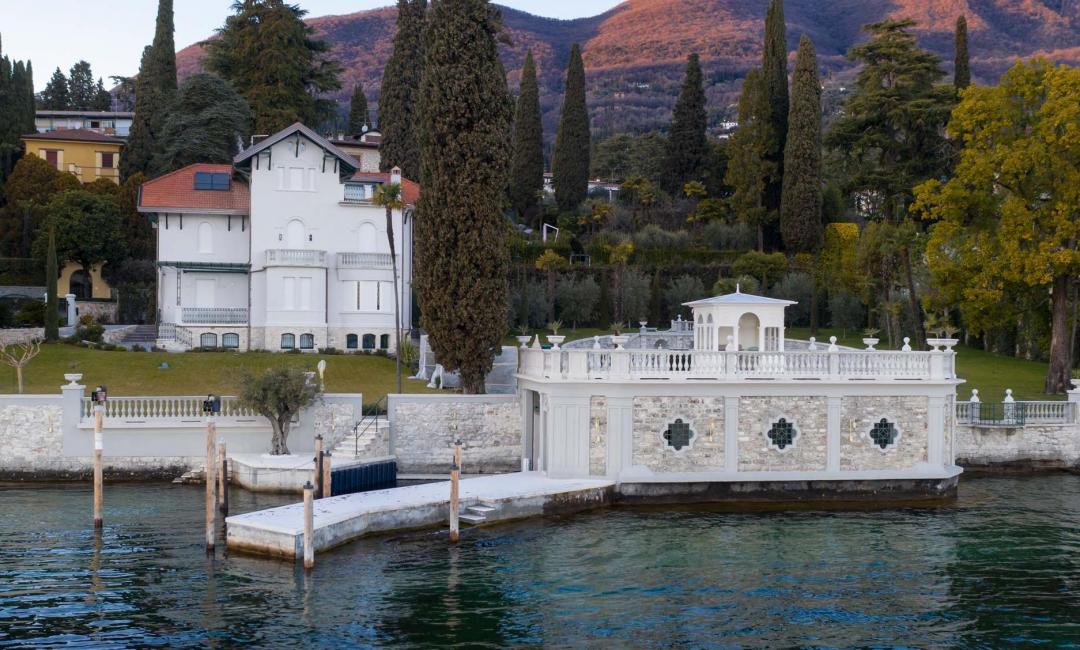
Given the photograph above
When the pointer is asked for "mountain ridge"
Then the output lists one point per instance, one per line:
(635, 52)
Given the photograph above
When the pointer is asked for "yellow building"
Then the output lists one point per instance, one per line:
(86, 286)
(87, 154)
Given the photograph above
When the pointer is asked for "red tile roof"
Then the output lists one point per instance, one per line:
(176, 191)
(410, 190)
(74, 135)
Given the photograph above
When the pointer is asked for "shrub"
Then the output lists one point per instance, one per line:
(31, 314)
(799, 287)
(743, 283)
(846, 311)
(763, 266)
(409, 352)
(576, 299)
(653, 237)
(138, 348)
(89, 329)
(683, 289)
(528, 305)
(730, 237)
(635, 295)
(330, 351)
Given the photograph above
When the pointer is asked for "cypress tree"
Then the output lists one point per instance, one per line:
(270, 56)
(155, 89)
(466, 110)
(749, 170)
(775, 80)
(687, 146)
(962, 66)
(572, 142)
(358, 111)
(399, 118)
(55, 96)
(527, 167)
(800, 206)
(52, 318)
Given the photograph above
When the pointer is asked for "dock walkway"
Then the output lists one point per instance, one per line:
(341, 519)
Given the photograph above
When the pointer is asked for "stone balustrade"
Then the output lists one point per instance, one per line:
(162, 409)
(364, 261)
(295, 257)
(698, 365)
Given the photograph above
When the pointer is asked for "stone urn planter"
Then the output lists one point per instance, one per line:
(73, 378)
(524, 340)
(870, 342)
(620, 340)
(556, 340)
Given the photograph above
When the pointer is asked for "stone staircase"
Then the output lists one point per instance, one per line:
(144, 335)
(477, 514)
(366, 446)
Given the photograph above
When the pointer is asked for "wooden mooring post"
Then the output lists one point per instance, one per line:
(327, 475)
(211, 483)
(223, 479)
(318, 466)
(99, 497)
(309, 525)
(455, 476)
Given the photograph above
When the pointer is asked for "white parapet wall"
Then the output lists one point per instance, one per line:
(51, 436)
(423, 429)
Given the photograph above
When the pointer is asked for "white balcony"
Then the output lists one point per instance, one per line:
(214, 315)
(295, 257)
(364, 261)
(703, 365)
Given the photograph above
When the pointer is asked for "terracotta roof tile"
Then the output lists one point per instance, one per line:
(176, 191)
(77, 135)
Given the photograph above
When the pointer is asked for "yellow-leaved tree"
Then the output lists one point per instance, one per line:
(1006, 224)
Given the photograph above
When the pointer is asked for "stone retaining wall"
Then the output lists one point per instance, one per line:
(13, 335)
(423, 429)
(1029, 446)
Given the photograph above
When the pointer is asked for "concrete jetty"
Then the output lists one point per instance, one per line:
(338, 520)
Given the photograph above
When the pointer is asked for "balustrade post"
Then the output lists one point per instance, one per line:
(937, 364)
(1074, 402)
(620, 364)
(834, 358)
(577, 365)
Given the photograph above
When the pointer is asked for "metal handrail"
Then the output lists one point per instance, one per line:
(367, 421)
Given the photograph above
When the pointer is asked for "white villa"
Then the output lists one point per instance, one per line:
(742, 414)
(282, 250)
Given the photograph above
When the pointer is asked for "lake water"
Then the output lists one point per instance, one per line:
(999, 567)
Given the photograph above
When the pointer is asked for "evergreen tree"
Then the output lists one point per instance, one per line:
(207, 122)
(466, 110)
(52, 318)
(800, 206)
(687, 146)
(29, 188)
(81, 89)
(16, 109)
(572, 142)
(155, 89)
(962, 65)
(139, 237)
(527, 167)
(749, 169)
(399, 118)
(270, 56)
(359, 117)
(55, 96)
(775, 80)
(102, 98)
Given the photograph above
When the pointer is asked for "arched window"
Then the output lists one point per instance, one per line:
(80, 285)
(208, 340)
(205, 236)
(384, 342)
(230, 340)
(352, 341)
(288, 341)
(369, 341)
(307, 341)
(294, 234)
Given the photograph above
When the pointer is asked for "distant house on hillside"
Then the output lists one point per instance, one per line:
(87, 154)
(364, 148)
(115, 123)
(282, 250)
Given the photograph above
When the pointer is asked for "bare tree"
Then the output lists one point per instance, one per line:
(18, 356)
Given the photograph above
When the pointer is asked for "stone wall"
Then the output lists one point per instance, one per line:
(423, 429)
(758, 453)
(13, 335)
(1029, 446)
(598, 436)
(103, 311)
(653, 416)
(859, 415)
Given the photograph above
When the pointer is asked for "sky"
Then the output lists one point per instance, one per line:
(111, 35)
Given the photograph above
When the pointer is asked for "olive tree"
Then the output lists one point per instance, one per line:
(279, 394)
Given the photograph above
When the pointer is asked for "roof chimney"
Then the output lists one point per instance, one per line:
(395, 175)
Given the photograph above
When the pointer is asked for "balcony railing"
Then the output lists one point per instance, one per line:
(295, 257)
(214, 315)
(1015, 414)
(364, 261)
(165, 408)
(640, 365)
(356, 194)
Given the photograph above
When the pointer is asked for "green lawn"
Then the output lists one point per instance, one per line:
(197, 373)
(990, 373)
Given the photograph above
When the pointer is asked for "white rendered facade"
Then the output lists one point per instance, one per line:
(724, 417)
(308, 266)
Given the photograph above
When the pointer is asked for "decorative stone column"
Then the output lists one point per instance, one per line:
(72, 317)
